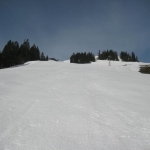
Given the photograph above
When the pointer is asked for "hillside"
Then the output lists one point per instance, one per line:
(62, 106)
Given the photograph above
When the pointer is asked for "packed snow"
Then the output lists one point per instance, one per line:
(62, 106)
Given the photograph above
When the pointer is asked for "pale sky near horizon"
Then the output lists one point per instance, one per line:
(61, 27)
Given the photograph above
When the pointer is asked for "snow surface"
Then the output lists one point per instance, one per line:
(62, 106)
(119, 58)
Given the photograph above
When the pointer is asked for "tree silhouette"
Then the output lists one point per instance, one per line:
(82, 58)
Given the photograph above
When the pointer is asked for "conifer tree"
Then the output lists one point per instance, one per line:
(10, 54)
(133, 56)
(127, 57)
(109, 53)
(99, 54)
(24, 50)
(42, 56)
(82, 58)
(15, 46)
(1, 61)
(34, 53)
(47, 58)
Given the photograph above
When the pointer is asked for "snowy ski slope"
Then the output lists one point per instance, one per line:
(62, 106)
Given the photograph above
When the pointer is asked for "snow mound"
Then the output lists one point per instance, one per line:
(66, 61)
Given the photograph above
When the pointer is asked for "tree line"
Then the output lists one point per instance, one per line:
(104, 55)
(82, 58)
(109, 54)
(13, 54)
(112, 55)
(127, 57)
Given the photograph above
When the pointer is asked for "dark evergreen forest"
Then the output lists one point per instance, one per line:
(82, 58)
(127, 57)
(13, 54)
(109, 54)
(112, 55)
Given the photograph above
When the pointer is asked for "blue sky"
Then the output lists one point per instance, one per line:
(61, 27)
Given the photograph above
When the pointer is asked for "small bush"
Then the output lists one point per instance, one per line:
(145, 69)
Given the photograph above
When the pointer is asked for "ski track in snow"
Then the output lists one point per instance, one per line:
(60, 106)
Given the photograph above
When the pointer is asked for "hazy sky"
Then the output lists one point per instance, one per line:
(61, 27)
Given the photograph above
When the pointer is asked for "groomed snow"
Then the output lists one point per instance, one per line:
(62, 106)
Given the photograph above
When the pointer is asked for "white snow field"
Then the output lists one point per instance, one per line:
(62, 106)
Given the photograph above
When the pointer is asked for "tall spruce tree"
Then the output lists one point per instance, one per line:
(34, 53)
(99, 54)
(133, 57)
(16, 52)
(42, 57)
(1, 61)
(10, 54)
(24, 50)
(46, 58)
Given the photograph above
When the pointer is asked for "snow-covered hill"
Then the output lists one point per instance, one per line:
(62, 106)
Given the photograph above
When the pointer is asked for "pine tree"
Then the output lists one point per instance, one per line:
(1, 61)
(42, 57)
(10, 54)
(105, 54)
(82, 58)
(16, 52)
(99, 54)
(24, 50)
(47, 58)
(34, 53)
(133, 57)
